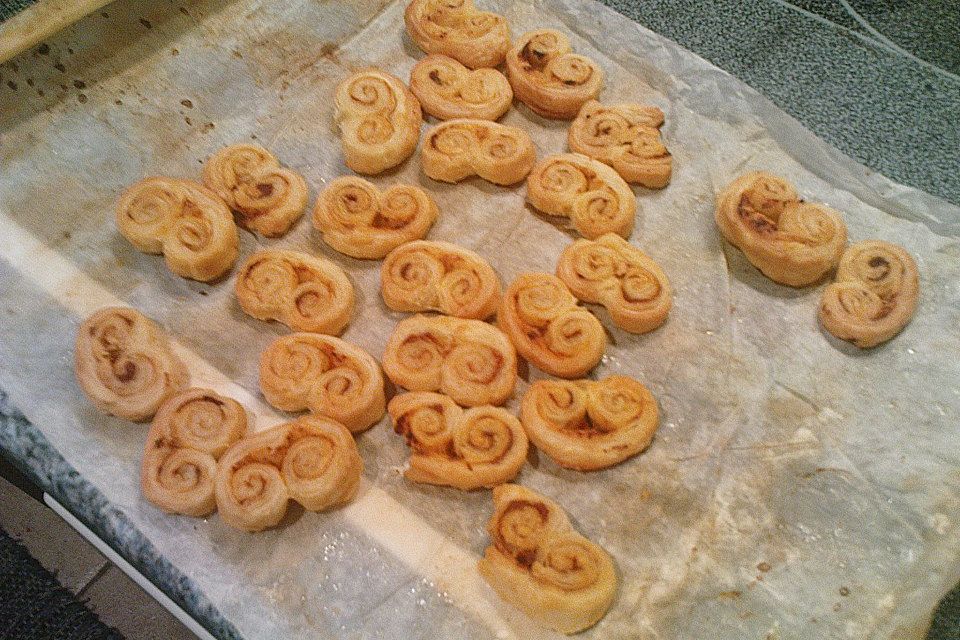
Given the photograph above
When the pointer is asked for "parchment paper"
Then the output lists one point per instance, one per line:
(797, 487)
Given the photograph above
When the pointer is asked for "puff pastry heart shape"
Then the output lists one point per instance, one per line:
(875, 294)
(469, 360)
(379, 120)
(439, 276)
(183, 220)
(268, 198)
(446, 90)
(125, 365)
(190, 432)
(312, 460)
(538, 563)
(588, 425)
(612, 272)
(548, 77)
(359, 220)
(792, 242)
(480, 447)
(543, 321)
(457, 149)
(626, 137)
(591, 194)
(326, 375)
(304, 292)
(457, 29)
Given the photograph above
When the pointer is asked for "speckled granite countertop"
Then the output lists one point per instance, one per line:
(877, 79)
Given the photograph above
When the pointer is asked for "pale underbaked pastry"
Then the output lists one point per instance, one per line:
(626, 137)
(446, 90)
(312, 460)
(790, 241)
(469, 360)
(538, 563)
(467, 449)
(874, 296)
(588, 425)
(326, 375)
(379, 120)
(439, 276)
(190, 432)
(304, 292)
(125, 365)
(457, 29)
(612, 272)
(183, 220)
(457, 149)
(548, 77)
(359, 220)
(268, 198)
(591, 194)
(543, 321)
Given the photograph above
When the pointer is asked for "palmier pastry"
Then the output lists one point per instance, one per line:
(457, 149)
(467, 449)
(457, 29)
(446, 90)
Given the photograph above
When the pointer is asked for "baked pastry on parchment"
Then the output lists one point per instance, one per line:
(447, 90)
(458, 149)
(457, 29)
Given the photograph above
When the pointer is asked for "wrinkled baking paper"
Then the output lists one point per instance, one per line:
(797, 488)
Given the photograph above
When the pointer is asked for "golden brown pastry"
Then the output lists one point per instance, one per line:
(184, 221)
(312, 460)
(792, 242)
(304, 292)
(190, 432)
(548, 77)
(469, 360)
(544, 323)
(591, 194)
(626, 137)
(325, 375)
(457, 29)
(359, 220)
(268, 198)
(439, 276)
(588, 425)
(446, 90)
(538, 563)
(480, 447)
(612, 272)
(125, 365)
(379, 120)
(457, 149)
(875, 294)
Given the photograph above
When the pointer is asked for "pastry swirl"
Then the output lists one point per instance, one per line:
(469, 360)
(304, 292)
(457, 149)
(326, 375)
(457, 29)
(875, 294)
(446, 90)
(268, 198)
(439, 276)
(591, 194)
(541, 317)
(190, 432)
(379, 120)
(538, 563)
(588, 425)
(312, 460)
(792, 242)
(184, 221)
(626, 137)
(125, 365)
(480, 447)
(612, 272)
(548, 77)
(359, 220)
